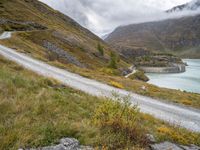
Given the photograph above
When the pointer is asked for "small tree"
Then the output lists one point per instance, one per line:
(100, 49)
(113, 60)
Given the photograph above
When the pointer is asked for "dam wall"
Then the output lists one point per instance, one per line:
(177, 68)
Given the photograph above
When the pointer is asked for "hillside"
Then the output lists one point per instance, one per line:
(178, 36)
(37, 111)
(51, 36)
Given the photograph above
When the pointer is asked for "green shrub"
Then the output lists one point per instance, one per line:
(113, 60)
(100, 49)
(119, 123)
(139, 75)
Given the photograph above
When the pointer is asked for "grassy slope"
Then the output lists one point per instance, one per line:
(30, 43)
(35, 111)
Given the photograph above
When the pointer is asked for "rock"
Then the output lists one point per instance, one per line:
(143, 88)
(65, 144)
(151, 138)
(194, 146)
(21, 25)
(70, 143)
(86, 148)
(57, 147)
(191, 147)
(125, 71)
(61, 54)
(129, 52)
(165, 146)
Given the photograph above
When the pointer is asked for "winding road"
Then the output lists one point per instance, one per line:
(174, 114)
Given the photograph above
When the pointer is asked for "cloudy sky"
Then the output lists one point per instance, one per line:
(102, 16)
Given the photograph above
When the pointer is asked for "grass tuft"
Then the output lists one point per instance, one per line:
(116, 84)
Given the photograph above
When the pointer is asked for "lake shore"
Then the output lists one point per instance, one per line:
(187, 81)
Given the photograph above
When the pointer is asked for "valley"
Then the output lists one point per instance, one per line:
(58, 80)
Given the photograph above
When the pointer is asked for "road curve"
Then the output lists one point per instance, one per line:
(185, 117)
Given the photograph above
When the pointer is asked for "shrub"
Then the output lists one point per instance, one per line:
(113, 60)
(100, 49)
(186, 102)
(120, 123)
(50, 82)
(139, 75)
(117, 85)
(176, 136)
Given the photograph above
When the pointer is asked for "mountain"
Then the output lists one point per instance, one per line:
(191, 6)
(180, 36)
(104, 36)
(50, 35)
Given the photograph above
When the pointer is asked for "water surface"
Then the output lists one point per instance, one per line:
(187, 81)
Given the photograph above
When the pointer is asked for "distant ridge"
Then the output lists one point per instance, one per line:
(191, 6)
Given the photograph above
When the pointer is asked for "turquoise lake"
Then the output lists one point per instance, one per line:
(187, 81)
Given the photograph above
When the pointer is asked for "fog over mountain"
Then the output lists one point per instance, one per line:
(103, 16)
(193, 6)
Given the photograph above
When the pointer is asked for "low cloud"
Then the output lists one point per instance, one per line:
(103, 16)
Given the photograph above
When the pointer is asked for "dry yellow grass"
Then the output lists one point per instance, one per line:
(186, 102)
(116, 84)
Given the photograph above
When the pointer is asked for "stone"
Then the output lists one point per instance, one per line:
(57, 147)
(191, 147)
(125, 71)
(194, 146)
(151, 138)
(65, 144)
(28, 25)
(143, 87)
(85, 148)
(62, 54)
(165, 146)
(70, 143)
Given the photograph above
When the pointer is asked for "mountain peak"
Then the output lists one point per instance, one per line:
(191, 6)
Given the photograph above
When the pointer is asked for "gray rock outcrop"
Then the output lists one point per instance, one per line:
(65, 144)
(20, 25)
(165, 146)
(61, 54)
(172, 146)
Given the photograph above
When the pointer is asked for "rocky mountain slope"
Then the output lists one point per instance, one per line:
(180, 36)
(50, 35)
